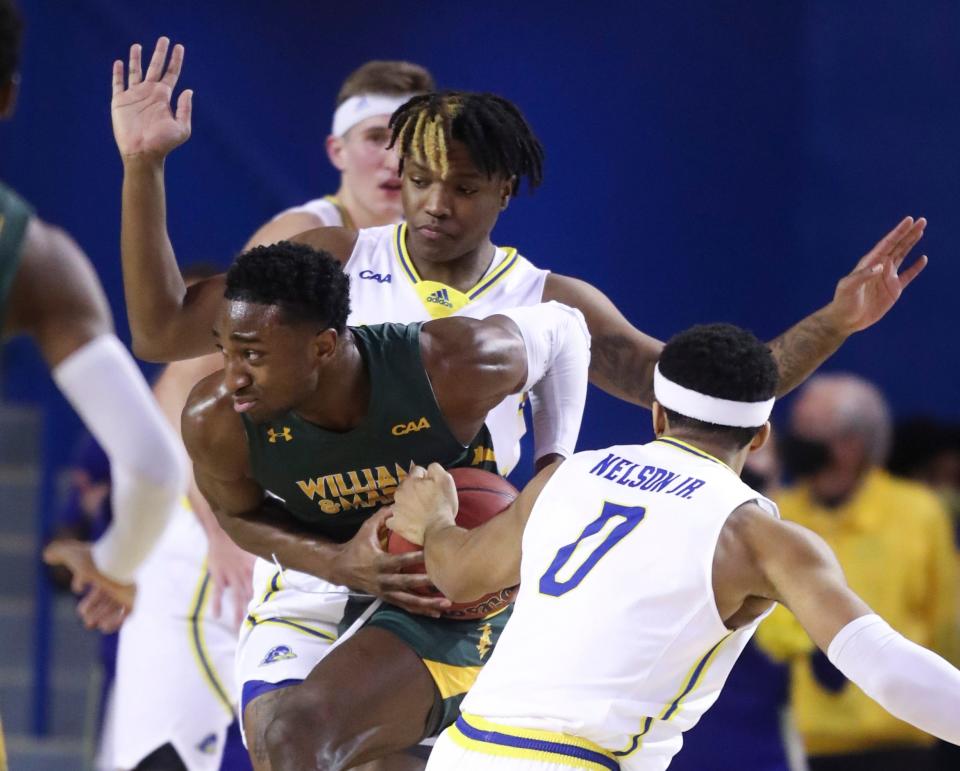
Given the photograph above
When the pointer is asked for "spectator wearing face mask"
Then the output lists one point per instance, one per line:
(893, 539)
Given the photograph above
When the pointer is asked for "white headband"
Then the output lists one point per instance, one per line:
(363, 106)
(709, 409)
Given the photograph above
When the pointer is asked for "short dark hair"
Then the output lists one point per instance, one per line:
(497, 136)
(308, 285)
(723, 361)
(391, 78)
(11, 33)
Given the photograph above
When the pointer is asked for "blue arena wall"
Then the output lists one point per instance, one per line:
(705, 160)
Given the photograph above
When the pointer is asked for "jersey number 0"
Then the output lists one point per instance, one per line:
(632, 516)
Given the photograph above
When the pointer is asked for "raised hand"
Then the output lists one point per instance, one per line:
(864, 296)
(143, 121)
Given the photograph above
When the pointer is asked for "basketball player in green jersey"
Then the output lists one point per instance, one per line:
(369, 192)
(327, 418)
(464, 156)
(49, 291)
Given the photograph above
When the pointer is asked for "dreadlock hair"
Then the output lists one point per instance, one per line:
(497, 136)
(11, 30)
(723, 361)
(308, 285)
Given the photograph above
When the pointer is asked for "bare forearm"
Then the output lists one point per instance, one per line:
(271, 533)
(454, 564)
(804, 347)
(624, 368)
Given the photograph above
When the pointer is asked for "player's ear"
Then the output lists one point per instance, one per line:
(506, 192)
(760, 438)
(335, 152)
(325, 343)
(660, 422)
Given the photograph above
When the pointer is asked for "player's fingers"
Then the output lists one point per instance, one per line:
(902, 249)
(423, 606)
(158, 59)
(134, 74)
(216, 599)
(395, 563)
(417, 472)
(406, 581)
(184, 114)
(174, 66)
(884, 245)
(78, 583)
(913, 271)
(117, 77)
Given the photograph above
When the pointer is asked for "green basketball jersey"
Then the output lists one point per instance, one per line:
(14, 215)
(333, 481)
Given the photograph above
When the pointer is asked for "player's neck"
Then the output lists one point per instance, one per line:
(360, 215)
(461, 272)
(721, 451)
(342, 399)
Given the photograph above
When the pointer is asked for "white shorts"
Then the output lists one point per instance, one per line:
(473, 744)
(174, 660)
(291, 625)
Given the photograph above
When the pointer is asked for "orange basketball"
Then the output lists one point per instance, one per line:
(482, 496)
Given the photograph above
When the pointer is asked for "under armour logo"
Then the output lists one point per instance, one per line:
(272, 435)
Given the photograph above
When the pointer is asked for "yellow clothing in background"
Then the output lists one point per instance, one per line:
(895, 543)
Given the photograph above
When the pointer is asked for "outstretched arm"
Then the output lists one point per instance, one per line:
(861, 299)
(458, 561)
(788, 563)
(623, 357)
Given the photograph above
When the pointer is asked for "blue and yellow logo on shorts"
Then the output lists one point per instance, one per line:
(279, 653)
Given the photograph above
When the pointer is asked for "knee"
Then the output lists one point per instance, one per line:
(305, 731)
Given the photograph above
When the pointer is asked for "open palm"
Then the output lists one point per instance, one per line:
(143, 121)
(865, 295)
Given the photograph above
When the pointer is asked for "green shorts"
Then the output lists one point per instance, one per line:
(452, 651)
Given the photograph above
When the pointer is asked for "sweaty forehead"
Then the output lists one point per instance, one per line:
(243, 318)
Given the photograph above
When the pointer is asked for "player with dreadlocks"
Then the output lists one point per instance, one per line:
(463, 157)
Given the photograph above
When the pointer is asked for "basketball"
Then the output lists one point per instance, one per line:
(482, 496)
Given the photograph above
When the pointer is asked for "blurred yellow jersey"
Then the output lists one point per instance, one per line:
(894, 542)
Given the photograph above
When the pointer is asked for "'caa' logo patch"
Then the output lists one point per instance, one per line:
(371, 276)
(405, 428)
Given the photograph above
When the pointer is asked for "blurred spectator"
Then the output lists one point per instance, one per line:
(892, 537)
(928, 451)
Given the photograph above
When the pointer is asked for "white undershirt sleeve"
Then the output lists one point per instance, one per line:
(558, 359)
(909, 681)
(148, 465)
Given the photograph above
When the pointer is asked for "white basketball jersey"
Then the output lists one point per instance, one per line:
(615, 635)
(326, 209)
(385, 286)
